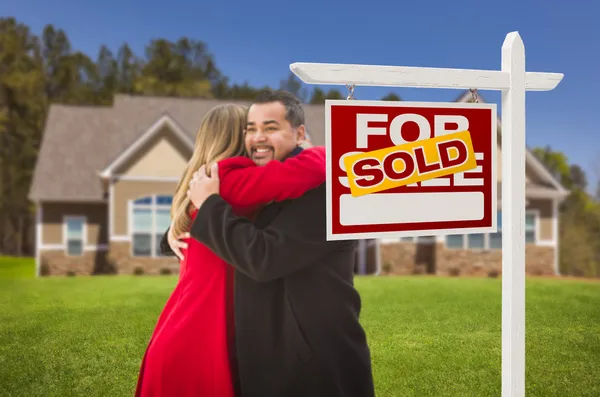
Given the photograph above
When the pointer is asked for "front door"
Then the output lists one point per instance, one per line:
(366, 257)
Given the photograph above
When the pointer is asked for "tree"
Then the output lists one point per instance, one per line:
(181, 69)
(391, 97)
(295, 86)
(578, 178)
(107, 75)
(579, 238)
(128, 69)
(59, 72)
(22, 113)
(557, 164)
(71, 77)
(319, 96)
(38, 71)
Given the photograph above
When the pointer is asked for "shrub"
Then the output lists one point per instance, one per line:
(165, 271)
(138, 271)
(387, 267)
(44, 268)
(420, 269)
(454, 271)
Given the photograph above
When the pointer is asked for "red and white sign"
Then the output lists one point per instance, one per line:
(460, 203)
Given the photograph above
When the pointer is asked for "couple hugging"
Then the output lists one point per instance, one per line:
(264, 305)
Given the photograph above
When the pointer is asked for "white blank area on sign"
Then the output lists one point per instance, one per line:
(386, 208)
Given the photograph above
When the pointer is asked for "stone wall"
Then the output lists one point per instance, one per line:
(120, 254)
(57, 263)
(116, 261)
(452, 262)
(409, 258)
(539, 261)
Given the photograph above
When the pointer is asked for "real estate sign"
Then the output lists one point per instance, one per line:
(410, 169)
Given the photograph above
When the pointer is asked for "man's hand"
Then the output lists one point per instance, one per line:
(175, 243)
(202, 186)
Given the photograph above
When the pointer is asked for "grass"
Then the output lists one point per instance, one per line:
(85, 336)
(11, 267)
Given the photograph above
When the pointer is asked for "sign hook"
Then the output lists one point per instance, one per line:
(474, 95)
(350, 88)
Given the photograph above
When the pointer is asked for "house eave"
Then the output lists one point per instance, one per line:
(131, 150)
(66, 199)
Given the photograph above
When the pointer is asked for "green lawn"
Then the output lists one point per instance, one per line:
(83, 336)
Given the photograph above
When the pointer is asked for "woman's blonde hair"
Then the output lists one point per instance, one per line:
(220, 136)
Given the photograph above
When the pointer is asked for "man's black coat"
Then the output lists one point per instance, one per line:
(296, 309)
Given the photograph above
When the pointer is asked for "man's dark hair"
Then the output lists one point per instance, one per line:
(294, 113)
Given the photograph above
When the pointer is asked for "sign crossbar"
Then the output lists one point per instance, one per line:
(513, 81)
(407, 76)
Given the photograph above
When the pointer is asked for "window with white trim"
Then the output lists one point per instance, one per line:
(419, 239)
(492, 240)
(495, 239)
(530, 227)
(74, 235)
(150, 218)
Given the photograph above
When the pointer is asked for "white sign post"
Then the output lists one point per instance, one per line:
(513, 81)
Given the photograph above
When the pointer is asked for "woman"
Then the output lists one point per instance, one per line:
(191, 350)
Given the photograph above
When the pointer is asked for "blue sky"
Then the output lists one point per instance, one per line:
(256, 41)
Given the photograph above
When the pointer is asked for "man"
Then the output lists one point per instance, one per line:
(296, 309)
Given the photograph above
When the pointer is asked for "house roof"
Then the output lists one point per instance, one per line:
(81, 142)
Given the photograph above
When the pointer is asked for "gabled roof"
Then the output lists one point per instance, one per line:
(81, 142)
(163, 121)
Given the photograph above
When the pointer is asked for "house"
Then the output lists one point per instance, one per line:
(105, 177)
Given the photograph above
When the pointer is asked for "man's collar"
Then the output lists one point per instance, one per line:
(294, 152)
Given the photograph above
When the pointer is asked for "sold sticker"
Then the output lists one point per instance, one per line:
(412, 162)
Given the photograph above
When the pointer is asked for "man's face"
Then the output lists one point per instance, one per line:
(269, 136)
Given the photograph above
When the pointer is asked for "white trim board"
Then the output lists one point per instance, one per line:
(111, 208)
(154, 129)
(149, 178)
(120, 238)
(62, 247)
(39, 228)
(555, 228)
(68, 200)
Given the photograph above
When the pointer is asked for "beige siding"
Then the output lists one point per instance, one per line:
(53, 216)
(125, 190)
(546, 223)
(165, 155)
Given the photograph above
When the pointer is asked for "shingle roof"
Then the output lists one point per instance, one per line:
(79, 142)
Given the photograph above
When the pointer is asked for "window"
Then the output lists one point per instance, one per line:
(496, 238)
(530, 228)
(455, 241)
(74, 235)
(419, 239)
(492, 240)
(150, 218)
(476, 241)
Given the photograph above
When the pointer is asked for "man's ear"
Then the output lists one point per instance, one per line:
(300, 134)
